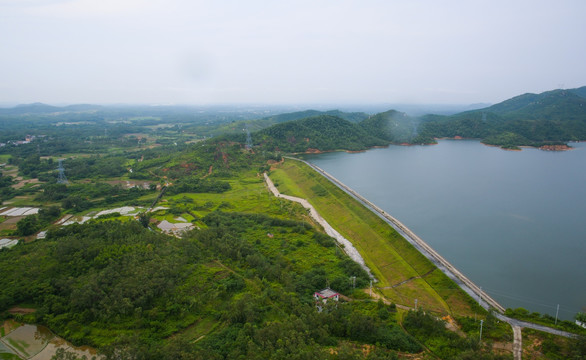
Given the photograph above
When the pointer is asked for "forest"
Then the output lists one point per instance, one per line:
(551, 118)
(322, 133)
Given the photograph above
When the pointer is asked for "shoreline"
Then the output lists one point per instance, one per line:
(564, 147)
(441, 263)
(558, 147)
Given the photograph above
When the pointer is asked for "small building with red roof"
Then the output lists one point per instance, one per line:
(321, 297)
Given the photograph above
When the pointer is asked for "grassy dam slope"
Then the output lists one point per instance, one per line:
(404, 274)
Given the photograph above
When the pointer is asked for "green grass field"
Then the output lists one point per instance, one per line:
(248, 194)
(404, 274)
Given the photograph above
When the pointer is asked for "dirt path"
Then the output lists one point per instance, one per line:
(517, 343)
(21, 310)
(346, 244)
(386, 301)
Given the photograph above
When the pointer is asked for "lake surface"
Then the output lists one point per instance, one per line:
(514, 222)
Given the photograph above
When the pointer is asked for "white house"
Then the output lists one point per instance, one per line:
(321, 297)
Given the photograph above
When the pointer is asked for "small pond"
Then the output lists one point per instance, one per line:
(35, 342)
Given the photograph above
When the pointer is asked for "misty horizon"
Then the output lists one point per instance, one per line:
(410, 109)
(260, 52)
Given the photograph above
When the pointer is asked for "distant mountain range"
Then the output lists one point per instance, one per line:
(550, 118)
(40, 108)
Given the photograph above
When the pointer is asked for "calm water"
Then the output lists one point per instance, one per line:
(513, 221)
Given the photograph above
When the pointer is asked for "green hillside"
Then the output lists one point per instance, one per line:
(322, 133)
(352, 116)
(550, 118)
(581, 91)
(253, 125)
(392, 125)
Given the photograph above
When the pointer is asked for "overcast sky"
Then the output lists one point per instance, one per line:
(288, 52)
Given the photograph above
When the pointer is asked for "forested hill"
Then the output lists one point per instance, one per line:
(354, 117)
(550, 118)
(392, 125)
(322, 132)
(550, 105)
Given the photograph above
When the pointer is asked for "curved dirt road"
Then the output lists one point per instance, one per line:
(346, 244)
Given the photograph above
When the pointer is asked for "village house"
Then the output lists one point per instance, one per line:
(321, 297)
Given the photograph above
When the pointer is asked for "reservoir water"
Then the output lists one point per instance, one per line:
(514, 222)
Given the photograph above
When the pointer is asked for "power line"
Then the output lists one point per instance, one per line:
(62, 179)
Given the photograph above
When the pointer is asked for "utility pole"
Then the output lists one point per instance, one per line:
(415, 304)
(556, 314)
(370, 288)
(481, 321)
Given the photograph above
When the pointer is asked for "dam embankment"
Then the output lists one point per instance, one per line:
(447, 268)
(346, 245)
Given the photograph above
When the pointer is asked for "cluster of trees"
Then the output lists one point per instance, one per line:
(192, 184)
(33, 166)
(95, 167)
(307, 281)
(545, 319)
(239, 128)
(6, 190)
(93, 283)
(80, 197)
(323, 132)
(33, 223)
(56, 135)
(220, 159)
(354, 117)
(550, 118)
(502, 132)
(552, 348)
(393, 126)
(446, 344)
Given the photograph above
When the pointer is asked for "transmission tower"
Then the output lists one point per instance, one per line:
(248, 138)
(61, 179)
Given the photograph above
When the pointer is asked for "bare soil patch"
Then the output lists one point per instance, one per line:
(21, 310)
(22, 183)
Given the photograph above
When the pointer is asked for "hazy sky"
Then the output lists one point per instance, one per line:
(280, 51)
